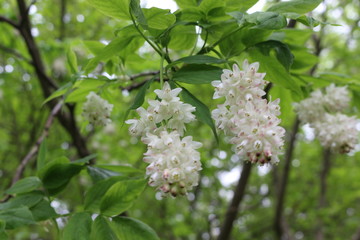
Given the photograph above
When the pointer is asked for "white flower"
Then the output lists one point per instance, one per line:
(169, 110)
(173, 162)
(97, 110)
(250, 121)
(336, 98)
(337, 131)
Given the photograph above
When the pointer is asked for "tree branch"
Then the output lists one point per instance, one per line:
(9, 21)
(233, 208)
(15, 53)
(67, 119)
(34, 150)
(279, 227)
(144, 74)
(323, 188)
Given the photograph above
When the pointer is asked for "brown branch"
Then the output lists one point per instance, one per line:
(15, 53)
(279, 226)
(144, 74)
(9, 21)
(323, 188)
(62, 15)
(34, 150)
(67, 119)
(233, 208)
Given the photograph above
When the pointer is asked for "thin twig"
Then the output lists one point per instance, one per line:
(323, 189)
(9, 21)
(144, 74)
(15, 53)
(34, 150)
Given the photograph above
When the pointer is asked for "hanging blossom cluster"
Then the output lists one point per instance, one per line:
(250, 122)
(173, 160)
(97, 110)
(324, 113)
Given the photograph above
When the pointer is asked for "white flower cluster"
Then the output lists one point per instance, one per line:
(250, 121)
(97, 110)
(323, 111)
(173, 161)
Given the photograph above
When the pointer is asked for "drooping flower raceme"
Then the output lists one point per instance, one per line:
(250, 121)
(170, 111)
(323, 111)
(337, 131)
(97, 110)
(174, 162)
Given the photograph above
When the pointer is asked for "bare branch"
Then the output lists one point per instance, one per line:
(326, 164)
(15, 53)
(144, 74)
(279, 226)
(34, 150)
(233, 208)
(9, 21)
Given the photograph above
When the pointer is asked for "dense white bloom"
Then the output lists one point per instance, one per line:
(173, 162)
(97, 110)
(314, 108)
(170, 110)
(323, 112)
(310, 109)
(250, 121)
(336, 98)
(338, 132)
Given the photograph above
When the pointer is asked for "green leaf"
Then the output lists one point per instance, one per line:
(41, 157)
(266, 20)
(275, 71)
(240, 6)
(296, 6)
(71, 60)
(139, 99)
(138, 13)
(207, 5)
(43, 211)
(17, 217)
(85, 159)
(112, 8)
(3, 236)
(2, 225)
(95, 47)
(27, 199)
(283, 53)
(202, 112)
(61, 91)
(186, 3)
(158, 18)
(78, 227)
(121, 196)
(236, 43)
(127, 42)
(132, 229)
(101, 230)
(94, 195)
(24, 185)
(197, 74)
(121, 168)
(56, 174)
(98, 174)
(182, 37)
(198, 59)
